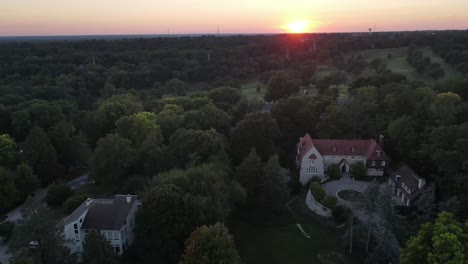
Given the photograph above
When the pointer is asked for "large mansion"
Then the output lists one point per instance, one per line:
(113, 218)
(315, 155)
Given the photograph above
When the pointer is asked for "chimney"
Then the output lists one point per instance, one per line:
(89, 201)
(381, 141)
(421, 183)
(129, 198)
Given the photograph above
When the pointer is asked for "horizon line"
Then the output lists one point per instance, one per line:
(221, 34)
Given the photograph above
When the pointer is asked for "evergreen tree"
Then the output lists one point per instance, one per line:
(40, 154)
(273, 187)
(8, 191)
(248, 174)
(25, 180)
(98, 250)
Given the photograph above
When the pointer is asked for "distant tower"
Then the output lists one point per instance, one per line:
(218, 30)
(370, 31)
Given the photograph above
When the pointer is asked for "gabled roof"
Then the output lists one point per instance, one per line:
(304, 145)
(343, 147)
(104, 214)
(407, 176)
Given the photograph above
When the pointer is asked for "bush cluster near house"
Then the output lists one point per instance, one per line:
(319, 194)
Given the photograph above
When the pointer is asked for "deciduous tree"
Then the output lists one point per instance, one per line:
(444, 241)
(256, 130)
(211, 245)
(112, 158)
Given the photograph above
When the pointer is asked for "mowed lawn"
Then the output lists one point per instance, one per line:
(398, 64)
(285, 243)
(250, 90)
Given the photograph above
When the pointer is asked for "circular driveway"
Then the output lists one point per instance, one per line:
(334, 187)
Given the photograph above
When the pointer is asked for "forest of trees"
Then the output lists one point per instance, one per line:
(162, 119)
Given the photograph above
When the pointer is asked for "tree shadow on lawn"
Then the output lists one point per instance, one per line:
(276, 239)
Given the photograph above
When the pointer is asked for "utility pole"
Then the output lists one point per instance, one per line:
(351, 243)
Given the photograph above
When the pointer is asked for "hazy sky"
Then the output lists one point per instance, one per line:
(81, 17)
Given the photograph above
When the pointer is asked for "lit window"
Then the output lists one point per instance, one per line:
(373, 163)
(383, 162)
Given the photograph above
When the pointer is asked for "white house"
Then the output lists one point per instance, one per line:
(407, 185)
(315, 155)
(114, 218)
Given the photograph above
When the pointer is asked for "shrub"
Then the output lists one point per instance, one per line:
(359, 170)
(6, 229)
(317, 191)
(341, 214)
(316, 179)
(334, 172)
(329, 201)
(57, 194)
(73, 202)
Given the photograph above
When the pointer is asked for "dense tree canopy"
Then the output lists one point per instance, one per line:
(256, 130)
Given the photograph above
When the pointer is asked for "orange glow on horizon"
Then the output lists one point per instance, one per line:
(299, 26)
(91, 17)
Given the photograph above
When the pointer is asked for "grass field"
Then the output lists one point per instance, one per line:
(285, 243)
(250, 90)
(398, 64)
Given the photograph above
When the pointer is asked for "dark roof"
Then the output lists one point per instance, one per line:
(104, 214)
(409, 178)
(343, 147)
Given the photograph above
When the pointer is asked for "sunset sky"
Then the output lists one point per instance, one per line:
(96, 17)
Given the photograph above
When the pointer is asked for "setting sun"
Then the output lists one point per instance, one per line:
(298, 26)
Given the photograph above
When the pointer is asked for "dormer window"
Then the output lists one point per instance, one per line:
(334, 149)
(378, 153)
(353, 149)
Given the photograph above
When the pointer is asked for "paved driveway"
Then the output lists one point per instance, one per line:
(39, 195)
(334, 187)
